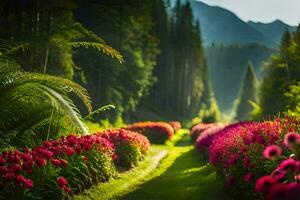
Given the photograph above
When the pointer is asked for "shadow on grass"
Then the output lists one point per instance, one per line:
(187, 178)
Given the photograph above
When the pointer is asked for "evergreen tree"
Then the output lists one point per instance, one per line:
(248, 94)
(128, 28)
(282, 73)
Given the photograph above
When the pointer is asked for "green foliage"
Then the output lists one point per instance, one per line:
(293, 100)
(248, 94)
(35, 105)
(282, 73)
(49, 34)
(128, 155)
(182, 76)
(131, 31)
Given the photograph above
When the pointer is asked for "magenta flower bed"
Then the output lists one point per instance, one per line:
(60, 168)
(207, 136)
(257, 160)
(198, 129)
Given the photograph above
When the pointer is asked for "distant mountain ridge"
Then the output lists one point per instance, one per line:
(273, 30)
(219, 25)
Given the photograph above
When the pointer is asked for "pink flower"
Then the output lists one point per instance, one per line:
(291, 138)
(233, 159)
(62, 181)
(272, 151)
(278, 191)
(264, 183)
(289, 165)
(279, 175)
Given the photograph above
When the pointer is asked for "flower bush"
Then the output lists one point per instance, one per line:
(245, 151)
(199, 128)
(58, 169)
(175, 125)
(206, 137)
(130, 146)
(156, 132)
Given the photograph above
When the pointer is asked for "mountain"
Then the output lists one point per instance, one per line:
(272, 30)
(219, 25)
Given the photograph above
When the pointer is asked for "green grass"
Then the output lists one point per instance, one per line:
(182, 175)
(172, 171)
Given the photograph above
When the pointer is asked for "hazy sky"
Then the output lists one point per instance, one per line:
(262, 10)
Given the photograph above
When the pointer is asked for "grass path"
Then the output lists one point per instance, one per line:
(182, 175)
(173, 171)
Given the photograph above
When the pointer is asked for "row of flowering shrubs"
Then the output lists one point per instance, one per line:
(198, 129)
(258, 160)
(58, 169)
(156, 132)
(176, 125)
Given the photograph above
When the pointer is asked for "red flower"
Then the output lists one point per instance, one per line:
(28, 183)
(291, 138)
(264, 183)
(20, 179)
(67, 189)
(3, 169)
(69, 151)
(62, 181)
(55, 162)
(47, 144)
(26, 157)
(2, 161)
(9, 176)
(272, 151)
(41, 162)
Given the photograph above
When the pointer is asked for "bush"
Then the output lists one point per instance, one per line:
(175, 125)
(207, 136)
(156, 132)
(56, 169)
(196, 130)
(130, 146)
(238, 154)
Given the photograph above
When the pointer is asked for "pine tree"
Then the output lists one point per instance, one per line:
(248, 94)
(282, 73)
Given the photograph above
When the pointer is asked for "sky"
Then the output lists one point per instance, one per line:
(262, 10)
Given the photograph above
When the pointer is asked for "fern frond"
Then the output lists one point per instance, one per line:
(99, 110)
(101, 47)
(66, 106)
